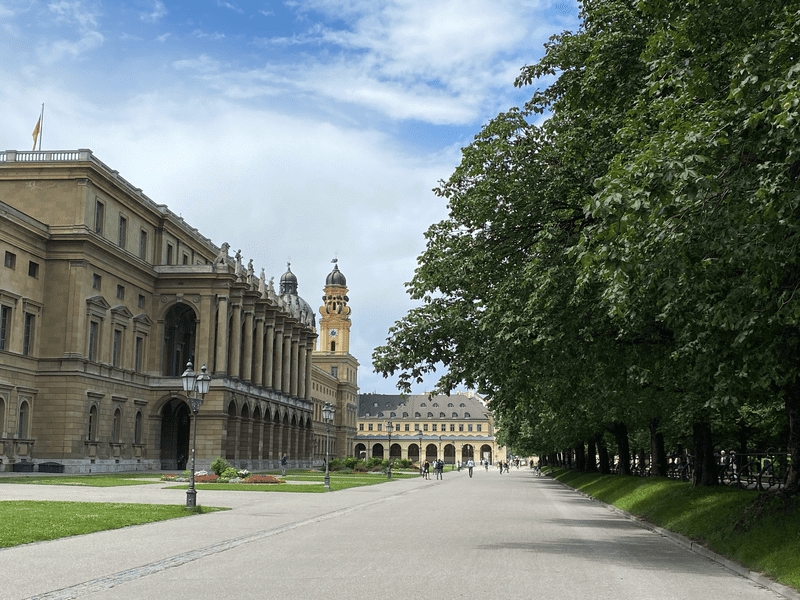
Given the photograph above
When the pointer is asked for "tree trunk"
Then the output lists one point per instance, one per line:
(658, 456)
(620, 432)
(793, 412)
(602, 452)
(591, 457)
(580, 457)
(705, 464)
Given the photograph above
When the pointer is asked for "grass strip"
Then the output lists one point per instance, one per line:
(103, 480)
(27, 521)
(760, 531)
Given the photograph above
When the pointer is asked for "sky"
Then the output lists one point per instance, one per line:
(296, 131)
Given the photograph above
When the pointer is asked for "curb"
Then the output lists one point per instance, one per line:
(698, 549)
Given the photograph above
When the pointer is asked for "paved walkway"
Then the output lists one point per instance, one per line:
(492, 536)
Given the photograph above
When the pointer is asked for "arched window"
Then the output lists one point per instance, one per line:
(392, 415)
(435, 404)
(22, 430)
(92, 434)
(462, 405)
(137, 429)
(422, 404)
(115, 426)
(441, 415)
(417, 415)
(179, 337)
(405, 415)
(430, 415)
(449, 405)
(466, 415)
(333, 346)
(455, 415)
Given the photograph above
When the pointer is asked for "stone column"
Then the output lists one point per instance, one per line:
(269, 355)
(236, 341)
(247, 346)
(287, 362)
(295, 367)
(258, 359)
(301, 370)
(221, 361)
(277, 371)
(309, 351)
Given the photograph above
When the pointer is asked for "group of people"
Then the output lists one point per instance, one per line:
(438, 468)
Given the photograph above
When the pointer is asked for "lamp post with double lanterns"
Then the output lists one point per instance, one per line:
(328, 410)
(421, 472)
(192, 383)
(389, 427)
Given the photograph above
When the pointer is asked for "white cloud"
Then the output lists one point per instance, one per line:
(55, 51)
(159, 11)
(163, 37)
(203, 64)
(213, 36)
(229, 6)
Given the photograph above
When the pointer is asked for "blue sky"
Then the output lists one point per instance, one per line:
(294, 130)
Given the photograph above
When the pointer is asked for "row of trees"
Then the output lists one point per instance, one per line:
(630, 263)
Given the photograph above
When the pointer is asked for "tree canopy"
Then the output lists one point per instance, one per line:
(633, 258)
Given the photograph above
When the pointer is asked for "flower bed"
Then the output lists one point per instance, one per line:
(213, 478)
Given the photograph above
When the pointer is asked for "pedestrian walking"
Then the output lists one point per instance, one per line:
(470, 465)
(284, 462)
(426, 470)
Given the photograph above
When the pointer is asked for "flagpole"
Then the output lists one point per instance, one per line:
(41, 127)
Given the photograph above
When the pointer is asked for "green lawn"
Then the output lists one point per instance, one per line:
(101, 480)
(760, 531)
(26, 521)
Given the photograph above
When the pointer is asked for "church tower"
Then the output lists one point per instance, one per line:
(334, 324)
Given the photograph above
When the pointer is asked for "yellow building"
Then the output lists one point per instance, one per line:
(105, 296)
(455, 428)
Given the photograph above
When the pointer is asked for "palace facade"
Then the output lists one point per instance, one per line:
(105, 296)
(455, 428)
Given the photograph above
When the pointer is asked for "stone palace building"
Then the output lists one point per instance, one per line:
(105, 296)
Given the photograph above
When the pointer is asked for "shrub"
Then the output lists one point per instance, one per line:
(219, 465)
(336, 464)
(229, 473)
(351, 462)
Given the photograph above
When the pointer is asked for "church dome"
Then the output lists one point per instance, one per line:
(336, 277)
(288, 282)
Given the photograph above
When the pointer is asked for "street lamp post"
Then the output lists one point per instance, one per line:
(389, 451)
(420, 452)
(328, 410)
(198, 384)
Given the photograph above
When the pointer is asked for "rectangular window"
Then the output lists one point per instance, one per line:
(369, 427)
(141, 301)
(406, 426)
(121, 292)
(99, 217)
(434, 427)
(461, 427)
(10, 260)
(480, 427)
(33, 269)
(117, 348)
(139, 351)
(416, 426)
(444, 426)
(5, 326)
(469, 427)
(123, 232)
(96, 281)
(94, 332)
(380, 426)
(425, 427)
(335, 372)
(186, 259)
(361, 427)
(170, 250)
(452, 426)
(143, 244)
(27, 342)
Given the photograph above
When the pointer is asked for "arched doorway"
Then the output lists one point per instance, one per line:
(413, 452)
(377, 451)
(467, 452)
(450, 454)
(486, 453)
(361, 451)
(175, 429)
(179, 336)
(431, 452)
(395, 452)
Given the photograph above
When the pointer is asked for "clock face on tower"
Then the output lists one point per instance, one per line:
(333, 332)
